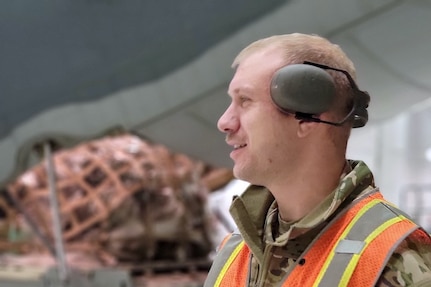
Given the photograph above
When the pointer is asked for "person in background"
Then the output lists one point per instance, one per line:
(310, 217)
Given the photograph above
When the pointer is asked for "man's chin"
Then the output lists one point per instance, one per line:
(241, 173)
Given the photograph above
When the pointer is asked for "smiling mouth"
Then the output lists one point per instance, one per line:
(238, 146)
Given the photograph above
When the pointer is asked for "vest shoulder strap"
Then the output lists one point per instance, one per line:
(229, 249)
(363, 239)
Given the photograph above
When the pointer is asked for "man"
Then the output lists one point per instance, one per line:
(310, 217)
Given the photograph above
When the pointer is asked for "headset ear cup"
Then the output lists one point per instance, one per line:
(361, 114)
(302, 88)
(360, 118)
(308, 90)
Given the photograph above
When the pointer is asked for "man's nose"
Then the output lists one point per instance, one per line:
(228, 122)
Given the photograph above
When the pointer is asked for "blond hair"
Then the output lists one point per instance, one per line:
(298, 47)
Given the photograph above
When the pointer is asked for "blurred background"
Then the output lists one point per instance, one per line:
(155, 75)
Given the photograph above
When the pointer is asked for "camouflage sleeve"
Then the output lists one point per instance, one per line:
(409, 265)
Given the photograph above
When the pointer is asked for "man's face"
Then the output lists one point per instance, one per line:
(259, 134)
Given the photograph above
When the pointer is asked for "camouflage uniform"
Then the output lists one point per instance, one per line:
(256, 215)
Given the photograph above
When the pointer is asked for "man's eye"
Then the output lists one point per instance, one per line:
(243, 100)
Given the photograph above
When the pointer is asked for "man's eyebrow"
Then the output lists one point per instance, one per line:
(239, 90)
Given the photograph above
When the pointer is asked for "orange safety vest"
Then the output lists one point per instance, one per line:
(351, 251)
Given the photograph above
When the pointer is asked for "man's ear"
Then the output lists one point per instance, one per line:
(305, 128)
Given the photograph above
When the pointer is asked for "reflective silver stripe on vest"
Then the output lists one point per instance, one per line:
(354, 242)
(221, 258)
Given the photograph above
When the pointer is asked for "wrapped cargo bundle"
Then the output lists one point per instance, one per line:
(123, 197)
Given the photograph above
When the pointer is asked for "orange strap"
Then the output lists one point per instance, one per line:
(235, 275)
(361, 268)
(316, 258)
(374, 259)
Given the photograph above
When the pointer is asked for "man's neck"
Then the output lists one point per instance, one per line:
(299, 194)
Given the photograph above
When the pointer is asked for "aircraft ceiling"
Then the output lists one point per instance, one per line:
(71, 70)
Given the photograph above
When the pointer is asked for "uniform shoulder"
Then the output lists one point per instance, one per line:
(409, 265)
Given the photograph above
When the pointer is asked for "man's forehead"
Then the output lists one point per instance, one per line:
(243, 80)
(260, 63)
